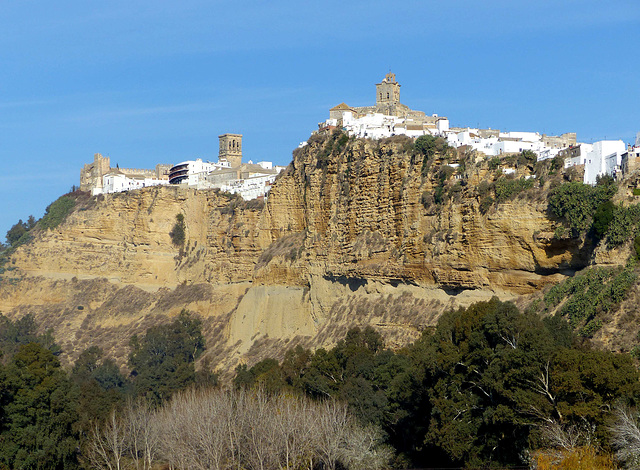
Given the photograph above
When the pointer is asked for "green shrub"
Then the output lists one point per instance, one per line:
(623, 225)
(590, 294)
(177, 234)
(636, 246)
(430, 146)
(439, 195)
(483, 188)
(485, 204)
(506, 189)
(427, 199)
(56, 212)
(557, 163)
(527, 157)
(494, 163)
(602, 218)
(16, 232)
(576, 202)
(342, 141)
(444, 173)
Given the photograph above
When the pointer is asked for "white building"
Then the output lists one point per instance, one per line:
(248, 180)
(579, 155)
(604, 158)
(117, 182)
(379, 125)
(494, 143)
(256, 185)
(192, 172)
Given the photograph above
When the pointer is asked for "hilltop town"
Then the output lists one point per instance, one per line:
(249, 180)
(403, 236)
(390, 117)
(387, 118)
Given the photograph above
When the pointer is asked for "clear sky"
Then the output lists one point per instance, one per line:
(157, 82)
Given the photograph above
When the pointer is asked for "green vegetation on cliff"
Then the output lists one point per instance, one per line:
(479, 390)
(487, 386)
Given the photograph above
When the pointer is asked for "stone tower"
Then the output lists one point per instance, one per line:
(92, 173)
(231, 149)
(387, 94)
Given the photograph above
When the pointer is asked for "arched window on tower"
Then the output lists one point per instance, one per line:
(387, 95)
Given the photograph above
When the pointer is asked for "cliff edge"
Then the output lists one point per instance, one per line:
(354, 232)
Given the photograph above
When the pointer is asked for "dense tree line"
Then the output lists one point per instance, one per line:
(489, 385)
(484, 388)
(47, 413)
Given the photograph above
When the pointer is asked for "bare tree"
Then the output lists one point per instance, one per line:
(107, 443)
(568, 437)
(363, 448)
(174, 426)
(333, 423)
(142, 434)
(261, 446)
(625, 432)
(296, 426)
(218, 430)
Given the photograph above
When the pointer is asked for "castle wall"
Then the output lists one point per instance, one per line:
(92, 174)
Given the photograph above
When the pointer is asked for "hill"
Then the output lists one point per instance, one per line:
(385, 233)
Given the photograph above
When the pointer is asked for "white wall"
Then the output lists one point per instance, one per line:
(117, 183)
(604, 159)
(525, 136)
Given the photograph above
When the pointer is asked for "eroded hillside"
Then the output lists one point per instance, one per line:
(354, 232)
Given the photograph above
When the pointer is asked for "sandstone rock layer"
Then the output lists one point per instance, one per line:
(344, 239)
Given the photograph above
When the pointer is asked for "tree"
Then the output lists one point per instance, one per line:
(430, 146)
(162, 361)
(482, 366)
(16, 232)
(266, 375)
(625, 432)
(99, 387)
(39, 413)
(107, 443)
(20, 332)
(31, 222)
(177, 233)
(602, 218)
(577, 202)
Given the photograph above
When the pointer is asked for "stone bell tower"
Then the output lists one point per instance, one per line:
(387, 94)
(231, 149)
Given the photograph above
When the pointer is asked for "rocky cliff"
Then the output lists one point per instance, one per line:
(351, 234)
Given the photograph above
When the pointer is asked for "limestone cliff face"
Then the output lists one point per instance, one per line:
(359, 215)
(125, 238)
(346, 238)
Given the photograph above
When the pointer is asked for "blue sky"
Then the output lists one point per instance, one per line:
(157, 82)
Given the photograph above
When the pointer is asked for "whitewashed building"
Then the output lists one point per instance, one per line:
(604, 158)
(117, 182)
(192, 172)
(495, 143)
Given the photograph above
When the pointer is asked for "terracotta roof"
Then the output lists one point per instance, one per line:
(340, 107)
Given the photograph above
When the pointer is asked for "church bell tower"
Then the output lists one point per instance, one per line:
(388, 94)
(230, 149)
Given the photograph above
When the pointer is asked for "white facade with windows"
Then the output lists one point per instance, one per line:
(116, 182)
(502, 143)
(604, 158)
